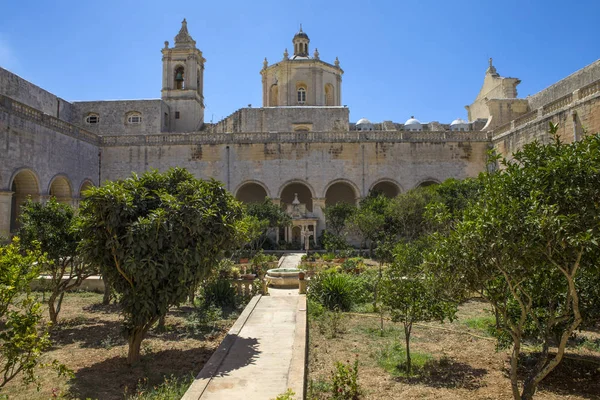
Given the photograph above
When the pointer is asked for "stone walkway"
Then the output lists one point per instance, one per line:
(264, 352)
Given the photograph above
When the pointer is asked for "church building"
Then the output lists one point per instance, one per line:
(299, 149)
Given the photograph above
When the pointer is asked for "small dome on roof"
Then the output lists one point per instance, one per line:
(412, 121)
(301, 34)
(364, 124)
(459, 121)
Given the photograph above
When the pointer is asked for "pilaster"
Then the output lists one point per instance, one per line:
(319, 212)
(5, 213)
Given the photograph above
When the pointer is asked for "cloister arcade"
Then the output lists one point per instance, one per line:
(26, 184)
(306, 206)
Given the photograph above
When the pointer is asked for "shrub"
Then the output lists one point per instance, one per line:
(220, 293)
(288, 395)
(344, 381)
(172, 388)
(333, 290)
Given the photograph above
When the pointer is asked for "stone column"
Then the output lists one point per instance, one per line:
(5, 213)
(318, 211)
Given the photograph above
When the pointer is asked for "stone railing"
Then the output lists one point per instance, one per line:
(245, 287)
(589, 89)
(557, 104)
(292, 137)
(552, 107)
(30, 113)
(523, 119)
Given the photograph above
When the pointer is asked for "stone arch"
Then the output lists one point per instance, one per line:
(274, 96)
(388, 187)
(341, 190)
(24, 184)
(251, 192)
(61, 189)
(428, 182)
(329, 95)
(179, 77)
(304, 190)
(85, 185)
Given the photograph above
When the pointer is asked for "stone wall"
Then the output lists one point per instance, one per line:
(284, 119)
(579, 79)
(406, 163)
(578, 116)
(19, 89)
(113, 116)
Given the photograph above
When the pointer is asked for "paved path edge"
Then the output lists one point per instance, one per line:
(297, 372)
(209, 370)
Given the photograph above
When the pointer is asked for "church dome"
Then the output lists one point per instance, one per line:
(301, 34)
(412, 121)
(458, 121)
(459, 124)
(413, 124)
(364, 124)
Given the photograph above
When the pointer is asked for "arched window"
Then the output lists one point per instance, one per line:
(92, 119)
(134, 118)
(329, 98)
(301, 95)
(179, 78)
(274, 96)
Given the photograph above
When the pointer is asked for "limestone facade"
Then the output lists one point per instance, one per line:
(300, 143)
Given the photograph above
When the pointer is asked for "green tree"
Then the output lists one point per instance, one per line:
(368, 221)
(267, 217)
(529, 245)
(22, 337)
(337, 215)
(156, 235)
(53, 226)
(413, 294)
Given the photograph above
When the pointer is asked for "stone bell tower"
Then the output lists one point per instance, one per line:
(182, 87)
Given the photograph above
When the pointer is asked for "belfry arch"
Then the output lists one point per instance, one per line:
(60, 189)
(341, 191)
(386, 187)
(251, 192)
(25, 185)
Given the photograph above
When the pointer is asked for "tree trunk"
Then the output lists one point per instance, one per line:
(529, 388)
(52, 308)
(514, 363)
(136, 335)
(407, 329)
(107, 291)
(161, 323)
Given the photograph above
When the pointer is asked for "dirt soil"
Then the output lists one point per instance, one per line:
(472, 367)
(88, 340)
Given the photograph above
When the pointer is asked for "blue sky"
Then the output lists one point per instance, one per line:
(401, 58)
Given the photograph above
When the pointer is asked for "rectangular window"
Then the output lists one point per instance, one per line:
(176, 114)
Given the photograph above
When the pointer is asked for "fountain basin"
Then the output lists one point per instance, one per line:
(284, 277)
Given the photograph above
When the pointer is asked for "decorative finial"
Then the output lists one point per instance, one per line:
(337, 62)
(265, 63)
(300, 27)
(491, 69)
(285, 54)
(316, 54)
(296, 201)
(166, 44)
(183, 38)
